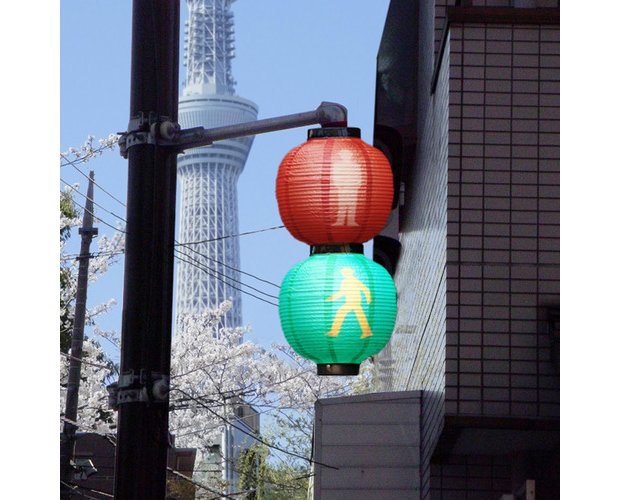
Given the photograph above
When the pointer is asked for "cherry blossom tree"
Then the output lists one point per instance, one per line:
(212, 366)
(109, 248)
(97, 368)
(214, 371)
(93, 412)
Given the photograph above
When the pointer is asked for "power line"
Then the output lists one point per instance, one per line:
(74, 486)
(232, 286)
(257, 438)
(90, 154)
(109, 253)
(168, 468)
(205, 269)
(228, 277)
(99, 218)
(188, 245)
(96, 204)
(196, 483)
(68, 356)
(206, 256)
(230, 267)
(72, 163)
(223, 237)
(232, 463)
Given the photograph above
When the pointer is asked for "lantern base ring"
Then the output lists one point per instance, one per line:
(337, 248)
(342, 369)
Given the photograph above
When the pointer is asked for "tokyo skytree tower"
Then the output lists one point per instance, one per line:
(208, 254)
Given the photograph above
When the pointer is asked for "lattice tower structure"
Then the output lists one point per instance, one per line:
(209, 257)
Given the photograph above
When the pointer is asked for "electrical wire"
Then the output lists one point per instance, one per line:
(73, 256)
(232, 286)
(96, 254)
(228, 277)
(74, 486)
(187, 245)
(69, 162)
(232, 464)
(168, 468)
(92, 255)
(200, 485)
(93, 201)
(68, 356)
(283, 486)
(228, 266)
(99, 218)
(260, 440)
(240, 234)
(205, 269)
(89, 155)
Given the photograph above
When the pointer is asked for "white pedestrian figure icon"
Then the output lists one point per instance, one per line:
(346, 186)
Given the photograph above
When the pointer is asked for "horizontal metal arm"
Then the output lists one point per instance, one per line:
(166, 133)
(327, 115)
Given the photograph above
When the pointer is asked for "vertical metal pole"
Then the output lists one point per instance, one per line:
(142, 438)
(67, 442)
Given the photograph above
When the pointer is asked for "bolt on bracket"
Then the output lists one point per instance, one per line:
(148, 128)
(145, 387)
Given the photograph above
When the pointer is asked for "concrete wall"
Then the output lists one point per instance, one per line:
(370, 446)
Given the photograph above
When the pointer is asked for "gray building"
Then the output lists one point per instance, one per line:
(467, 110)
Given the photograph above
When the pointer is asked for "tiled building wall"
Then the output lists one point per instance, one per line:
(503, 220)
(472, 477)
(531, 4)
(441, 12)
(471, 330)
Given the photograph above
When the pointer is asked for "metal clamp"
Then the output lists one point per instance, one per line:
(149, 128)
(145, 387)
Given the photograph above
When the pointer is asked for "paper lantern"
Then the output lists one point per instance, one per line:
(337, 309)
(334, 188)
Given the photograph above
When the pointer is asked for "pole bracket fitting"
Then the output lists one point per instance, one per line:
(148, 128)
(145, 387)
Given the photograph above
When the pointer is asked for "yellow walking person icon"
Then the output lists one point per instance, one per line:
(351, 289)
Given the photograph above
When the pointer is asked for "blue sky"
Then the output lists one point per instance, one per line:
(290, 56)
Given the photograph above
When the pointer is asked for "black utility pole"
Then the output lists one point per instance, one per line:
(151, 144)
(67, 441)
(142, 438)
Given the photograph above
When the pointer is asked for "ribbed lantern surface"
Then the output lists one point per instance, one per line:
(337, 308)
(334, 190)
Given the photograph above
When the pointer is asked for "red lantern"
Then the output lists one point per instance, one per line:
(334, 188)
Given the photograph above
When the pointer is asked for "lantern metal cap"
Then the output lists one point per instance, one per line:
(320, 133)
(342, 369)
(337, 248)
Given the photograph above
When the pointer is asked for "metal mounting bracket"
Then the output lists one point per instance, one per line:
(145, 387)
(149, 128)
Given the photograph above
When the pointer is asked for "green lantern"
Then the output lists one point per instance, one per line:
(337, 309)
